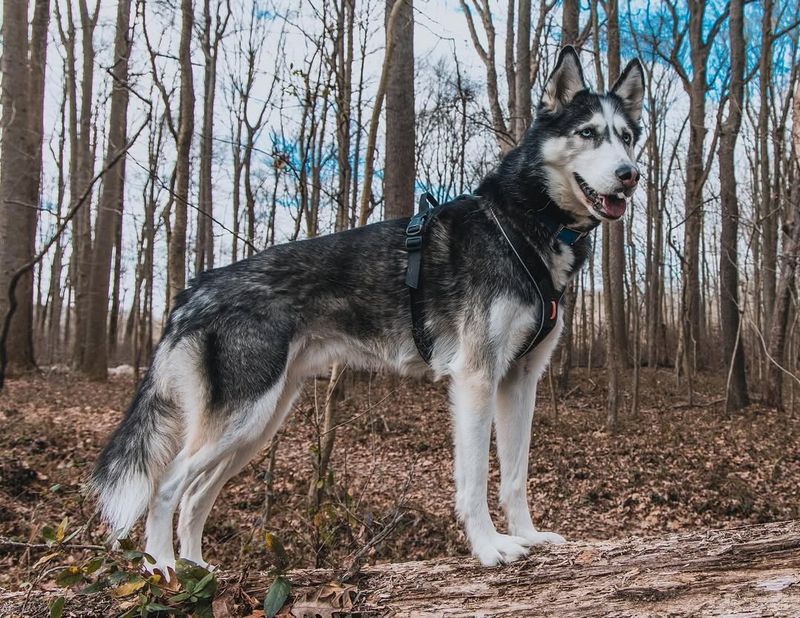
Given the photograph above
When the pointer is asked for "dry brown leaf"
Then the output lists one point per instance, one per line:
(128, 588)
(329, 600)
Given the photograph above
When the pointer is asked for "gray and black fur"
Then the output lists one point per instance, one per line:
(241, 339)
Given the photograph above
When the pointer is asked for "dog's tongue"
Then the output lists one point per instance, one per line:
(613, 206)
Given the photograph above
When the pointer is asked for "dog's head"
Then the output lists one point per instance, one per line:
(584, 140)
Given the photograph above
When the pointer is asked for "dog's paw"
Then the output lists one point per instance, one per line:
(534, 537)
(499, 549)
(163, 567)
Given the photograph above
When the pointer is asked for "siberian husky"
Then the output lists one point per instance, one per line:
(241, 339)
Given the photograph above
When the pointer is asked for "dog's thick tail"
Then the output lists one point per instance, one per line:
(127, 470)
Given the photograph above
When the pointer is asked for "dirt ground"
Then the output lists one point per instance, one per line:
(674, 468)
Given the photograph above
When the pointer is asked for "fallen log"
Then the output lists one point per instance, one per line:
(753, 570)
(746, 571)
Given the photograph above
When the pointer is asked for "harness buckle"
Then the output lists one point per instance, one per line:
(413, 243)
(413, 228)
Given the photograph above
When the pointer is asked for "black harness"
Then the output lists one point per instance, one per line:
(537, 272)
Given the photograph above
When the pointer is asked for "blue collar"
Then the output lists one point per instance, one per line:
(563, 233)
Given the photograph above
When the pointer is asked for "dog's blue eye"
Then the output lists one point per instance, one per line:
(626, 137)
(587, 133)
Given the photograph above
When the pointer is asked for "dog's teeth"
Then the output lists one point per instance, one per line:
(621, 195)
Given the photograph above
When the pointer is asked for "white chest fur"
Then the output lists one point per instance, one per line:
(561, 263)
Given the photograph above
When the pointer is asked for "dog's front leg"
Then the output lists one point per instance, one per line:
(516, 398)
(473, 395)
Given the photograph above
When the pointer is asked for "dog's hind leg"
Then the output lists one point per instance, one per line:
(201, 495)
(473, 396)
(175, 480)
(516, 397)
(205, 451)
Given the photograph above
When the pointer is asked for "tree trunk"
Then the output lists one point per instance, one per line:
(55, 296)
(84, 170)
(399, 171)
(749, 570)
(505, 140)
(342, 65)
(344, 87)
(177, 240)
(116, 283)
(210, 38)
(776, 343)
(730, 311)
(613, 261)
(616, 231)
(522, 83)
(743, 571)
(109, 212)
(249, 196)
(366, 206)
(690, 306)
(20, 166)
(768, 210)
(570, 22)
(236, 197)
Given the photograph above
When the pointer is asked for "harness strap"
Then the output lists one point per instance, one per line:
(414, 241)
(549, 297)
(538, 273)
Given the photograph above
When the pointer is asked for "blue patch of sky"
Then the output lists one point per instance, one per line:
(652, 24)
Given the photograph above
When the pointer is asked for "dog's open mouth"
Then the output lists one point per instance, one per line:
(611, 206)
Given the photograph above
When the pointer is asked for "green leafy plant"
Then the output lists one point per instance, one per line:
(122, 575)
(280, 588)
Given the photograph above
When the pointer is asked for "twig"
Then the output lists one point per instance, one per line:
(689, 404)
(355, 563)
(6, 542)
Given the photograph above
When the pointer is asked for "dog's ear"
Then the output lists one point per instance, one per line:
(564, 82)
(630, 88)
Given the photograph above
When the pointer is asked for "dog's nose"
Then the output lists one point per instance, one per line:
(628, 174)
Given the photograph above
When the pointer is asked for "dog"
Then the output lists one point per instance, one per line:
(241, 339)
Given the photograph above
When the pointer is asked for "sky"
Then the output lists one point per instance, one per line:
(440, 32)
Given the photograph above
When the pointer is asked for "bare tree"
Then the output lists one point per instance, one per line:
(613, 260)
(177, 240)
(249, 116)
(211, 34)
(109, 212)
(398, 177)
(701, 37)
(730, 308)
(366, 207)
(776, 343)
(767, 210)
(570, 22)
(83, 171)
(23, 73)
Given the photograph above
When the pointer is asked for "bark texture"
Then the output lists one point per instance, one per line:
(19, 182)
(81, 176)
(177, 240)
(745, 571)
(109, 212)
(730, 318)
(570, 19)
(776, 343)
(749, 569)
(399, 173)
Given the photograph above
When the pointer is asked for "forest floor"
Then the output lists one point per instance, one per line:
(674, 468)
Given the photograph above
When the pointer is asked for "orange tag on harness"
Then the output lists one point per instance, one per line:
(553, 309)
